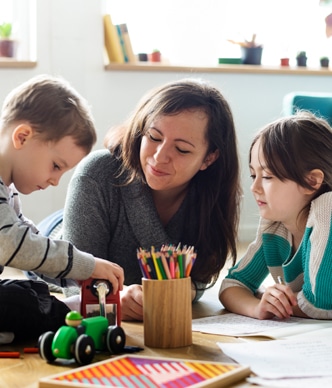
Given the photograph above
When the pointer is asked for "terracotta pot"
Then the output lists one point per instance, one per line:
(155, 56)
(284, 61)
(7, 48)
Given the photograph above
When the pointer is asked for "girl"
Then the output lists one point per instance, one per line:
(291, 167)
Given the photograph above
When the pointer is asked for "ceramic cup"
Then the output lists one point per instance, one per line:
(167, 312)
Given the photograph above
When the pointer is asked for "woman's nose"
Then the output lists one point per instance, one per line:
(162, 153)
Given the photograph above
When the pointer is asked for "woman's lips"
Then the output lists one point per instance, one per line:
(157, 172)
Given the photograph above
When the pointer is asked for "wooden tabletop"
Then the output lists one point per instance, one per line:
(25, 372)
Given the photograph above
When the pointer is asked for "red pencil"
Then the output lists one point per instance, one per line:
(30, 350)
(172, 267)
(10, 354)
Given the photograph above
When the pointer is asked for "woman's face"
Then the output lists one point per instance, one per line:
(174, 149)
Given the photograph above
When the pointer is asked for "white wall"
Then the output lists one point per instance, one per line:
(70, 43)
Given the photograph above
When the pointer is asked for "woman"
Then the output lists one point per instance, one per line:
(169, 175)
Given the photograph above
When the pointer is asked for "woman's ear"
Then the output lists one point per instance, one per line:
(21, 134)
(315, 178)
(210, 159)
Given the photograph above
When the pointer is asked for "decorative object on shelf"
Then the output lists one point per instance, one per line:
(251, 51)
(112, 41)
(229, 61)
(301, 58)
(328, 25)
(142, 57)
(155, 56)
(324, 61)
(7, 45)
(126, 42)
(284, 61)
(252, 55)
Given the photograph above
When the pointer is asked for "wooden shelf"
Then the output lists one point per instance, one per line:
(256, 69)
(14, 64)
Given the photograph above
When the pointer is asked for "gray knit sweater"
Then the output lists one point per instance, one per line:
(111, 221)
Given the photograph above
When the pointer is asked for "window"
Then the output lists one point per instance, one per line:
(195, 32)
(22, 15)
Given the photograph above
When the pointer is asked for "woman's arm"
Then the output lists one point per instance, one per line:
(87, 209)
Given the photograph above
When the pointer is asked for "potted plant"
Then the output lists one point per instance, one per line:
(284, 61)
(6, 43)
(155, 56)
(301, 58)
(251, 51)
(324, 61)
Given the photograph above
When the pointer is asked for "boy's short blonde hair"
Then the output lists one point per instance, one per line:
(53, 108)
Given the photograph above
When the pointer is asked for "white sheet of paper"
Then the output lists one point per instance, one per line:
(238, 325)
(307, 382)
(311, 357)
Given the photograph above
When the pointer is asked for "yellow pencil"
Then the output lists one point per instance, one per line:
(154, 258)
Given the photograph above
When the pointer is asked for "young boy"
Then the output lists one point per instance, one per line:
(45, 129)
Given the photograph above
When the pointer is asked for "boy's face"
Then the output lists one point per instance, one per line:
(38, 164)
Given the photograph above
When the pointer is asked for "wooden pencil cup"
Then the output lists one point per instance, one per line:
(167, 312)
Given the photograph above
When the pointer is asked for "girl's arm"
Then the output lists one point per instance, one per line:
(277, 301)
(315, 298)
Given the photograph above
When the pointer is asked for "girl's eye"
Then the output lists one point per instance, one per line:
(56, 166)
(253, 177)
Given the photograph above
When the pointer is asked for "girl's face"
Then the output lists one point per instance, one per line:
(174, 149)
(277, 200)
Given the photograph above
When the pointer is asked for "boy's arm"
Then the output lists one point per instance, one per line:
(23, 248)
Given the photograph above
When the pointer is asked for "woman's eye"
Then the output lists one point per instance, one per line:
(56, 166)
(267, 177)
(253, 177)
(182, 151)
(152, 137)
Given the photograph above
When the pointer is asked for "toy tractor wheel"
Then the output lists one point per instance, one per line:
(84, 349)
(45, 346)
(115, 339)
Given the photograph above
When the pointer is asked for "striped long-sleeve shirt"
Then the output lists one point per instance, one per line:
(23, 248)
(308, 271)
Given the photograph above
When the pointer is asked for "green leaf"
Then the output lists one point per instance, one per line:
(5, 30)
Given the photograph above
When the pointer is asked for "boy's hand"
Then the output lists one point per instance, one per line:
(112, 272)
(278, 300)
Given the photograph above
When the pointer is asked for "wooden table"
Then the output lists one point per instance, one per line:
(26, 371)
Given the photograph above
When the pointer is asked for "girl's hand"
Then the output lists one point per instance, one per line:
(110, 271)
(277, 301)
(132, 303)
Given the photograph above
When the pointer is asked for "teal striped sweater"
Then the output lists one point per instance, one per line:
(308, 271)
